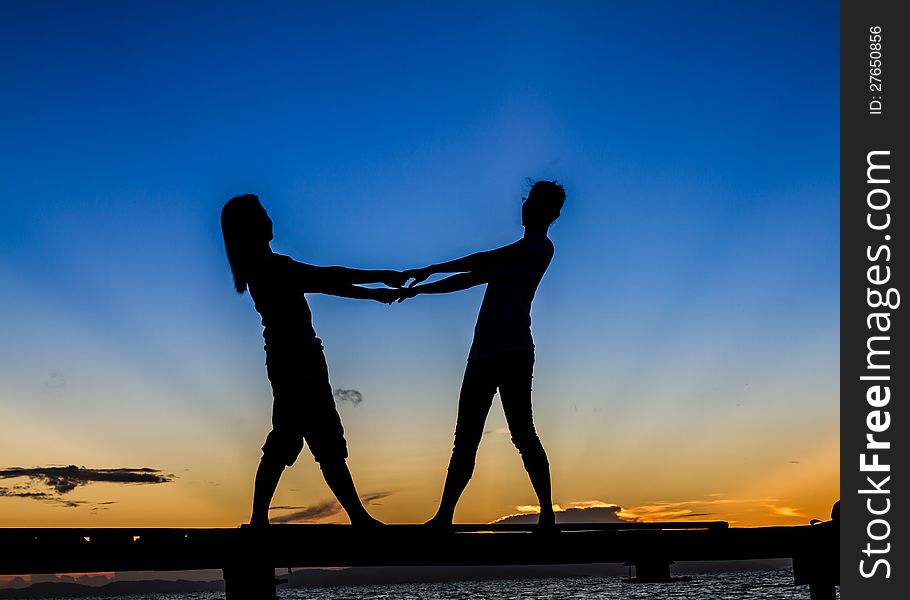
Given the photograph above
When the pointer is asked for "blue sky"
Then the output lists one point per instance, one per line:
(696, 263)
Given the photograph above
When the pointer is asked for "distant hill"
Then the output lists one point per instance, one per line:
(306, 578)
(54, 589)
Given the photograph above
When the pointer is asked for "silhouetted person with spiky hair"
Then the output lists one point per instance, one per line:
(502, 355)
(303, 407)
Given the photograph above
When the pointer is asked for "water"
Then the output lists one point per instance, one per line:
(739, 585)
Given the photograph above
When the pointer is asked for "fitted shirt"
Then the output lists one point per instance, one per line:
(515, 271)
(278, 294)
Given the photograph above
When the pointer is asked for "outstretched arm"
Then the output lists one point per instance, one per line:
(314, 277)
(453, 283)
(384, 295)
(479, 262)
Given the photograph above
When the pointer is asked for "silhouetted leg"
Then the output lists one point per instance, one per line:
(477, 391)
(267, 476)
(338, 476)
(515, 392)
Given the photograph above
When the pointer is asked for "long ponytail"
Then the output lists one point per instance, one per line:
(245, 226)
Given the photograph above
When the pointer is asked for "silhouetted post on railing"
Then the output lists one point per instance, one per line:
(819, 564)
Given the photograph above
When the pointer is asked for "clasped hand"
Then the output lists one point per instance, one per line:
(395, 280)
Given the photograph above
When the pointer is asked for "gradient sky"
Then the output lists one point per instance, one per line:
(687, 329)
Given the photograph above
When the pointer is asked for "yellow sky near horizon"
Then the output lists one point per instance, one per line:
(713, 478)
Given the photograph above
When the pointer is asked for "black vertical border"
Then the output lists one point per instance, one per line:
(861, 133)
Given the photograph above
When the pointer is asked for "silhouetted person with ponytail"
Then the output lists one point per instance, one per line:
(502, 355)
(303, 407)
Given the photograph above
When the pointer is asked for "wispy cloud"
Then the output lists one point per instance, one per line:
(787, 511)
(710, 505)
(587, 511)
(317, 512)
(497, 431)
(372, 498)
(669, 511)
(321, 511)
(39, 496)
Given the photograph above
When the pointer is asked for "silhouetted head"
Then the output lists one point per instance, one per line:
(247, 230)
(542, 205)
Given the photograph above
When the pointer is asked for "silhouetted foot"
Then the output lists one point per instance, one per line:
(546, 522)
(255, 524)
(439, 523)
(367, 523)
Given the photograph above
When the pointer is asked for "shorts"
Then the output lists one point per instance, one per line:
(511, 373)
(303, 408)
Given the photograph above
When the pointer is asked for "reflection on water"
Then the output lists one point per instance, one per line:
(740, 585)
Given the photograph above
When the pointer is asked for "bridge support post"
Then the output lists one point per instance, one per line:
(250, 582)
(652, 571)
(249, 572)
(818, 563)
(822, 591)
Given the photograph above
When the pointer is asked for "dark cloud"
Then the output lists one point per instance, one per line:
(39, 496)
(15, 494)
(62, 480)
(66, 479)
(352, 396)
(596, 514)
